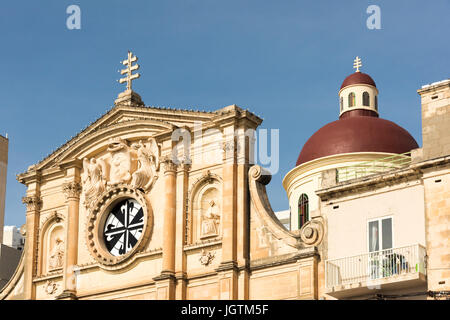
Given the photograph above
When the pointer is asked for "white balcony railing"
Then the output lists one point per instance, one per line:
(375, 265)
(378, 166)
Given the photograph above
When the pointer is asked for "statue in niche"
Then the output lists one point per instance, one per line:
(148, 164)
(211, 220)
(93, 179)
(56, 256)
(120, 162)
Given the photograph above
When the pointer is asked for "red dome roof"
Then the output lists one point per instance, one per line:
(358, 78)
(357, 134)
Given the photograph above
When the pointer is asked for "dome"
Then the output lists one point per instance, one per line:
(358, 78)
(357, 134)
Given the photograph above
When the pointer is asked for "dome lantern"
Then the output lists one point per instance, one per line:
(358, 94)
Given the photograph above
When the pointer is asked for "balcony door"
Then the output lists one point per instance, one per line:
(380, 234)
(379, 244)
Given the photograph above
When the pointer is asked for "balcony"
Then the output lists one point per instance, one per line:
(380, 271)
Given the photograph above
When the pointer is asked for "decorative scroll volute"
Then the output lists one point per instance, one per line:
(312, 232)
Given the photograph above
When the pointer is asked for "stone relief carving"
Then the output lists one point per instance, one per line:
(136, 165)
(210, 220)
(120, 162)
(51, 287)
(93, 179)
(148, 164)
(206, 257)
(56, 258)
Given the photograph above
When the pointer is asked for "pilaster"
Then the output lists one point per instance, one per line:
(165, 282)
(228, 270)
(180, 256)
(33, 203)
(72, 190)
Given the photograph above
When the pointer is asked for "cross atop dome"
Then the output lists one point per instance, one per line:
(357, 64)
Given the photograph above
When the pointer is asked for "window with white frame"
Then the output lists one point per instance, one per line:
(380, 234)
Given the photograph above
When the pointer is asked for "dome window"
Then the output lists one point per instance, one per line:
(342, 104)
(366, 99)
(351, 99)
(376, 103)
(303, 210)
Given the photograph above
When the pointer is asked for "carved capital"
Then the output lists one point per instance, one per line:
(185, 164)
(169, 166)
(229, 149)
(72, 190)
(185, 167)
(33, 203)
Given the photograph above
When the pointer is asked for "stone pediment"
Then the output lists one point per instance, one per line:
(119, 121)
(135, 122)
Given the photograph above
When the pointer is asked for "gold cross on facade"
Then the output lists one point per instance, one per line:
(357, 64)
(129, 70)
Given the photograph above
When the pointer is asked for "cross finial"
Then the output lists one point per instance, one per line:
(357, 64)
(129, 70)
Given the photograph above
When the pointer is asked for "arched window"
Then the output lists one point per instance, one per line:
(342, 104)
(303, 210)
(376, 103)
(366, 99)
(351, 99)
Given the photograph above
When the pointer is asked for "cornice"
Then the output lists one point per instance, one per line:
(369, 183)
(410, 173)
(358, 85)
(72, 163)
(284, 259)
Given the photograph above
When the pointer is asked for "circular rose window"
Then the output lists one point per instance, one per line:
(123, 227)
(119, 226)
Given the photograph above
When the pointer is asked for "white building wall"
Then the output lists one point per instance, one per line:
(307, 178)
(12, 237)
(348, 224)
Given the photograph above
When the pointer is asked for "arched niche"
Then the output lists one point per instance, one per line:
(52, 245)
(205, 210)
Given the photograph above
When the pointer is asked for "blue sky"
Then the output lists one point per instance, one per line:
(283, 60)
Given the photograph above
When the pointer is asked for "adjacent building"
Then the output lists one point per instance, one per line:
(385, 201)
(13, 238)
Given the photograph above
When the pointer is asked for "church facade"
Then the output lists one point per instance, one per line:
(158, 203)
